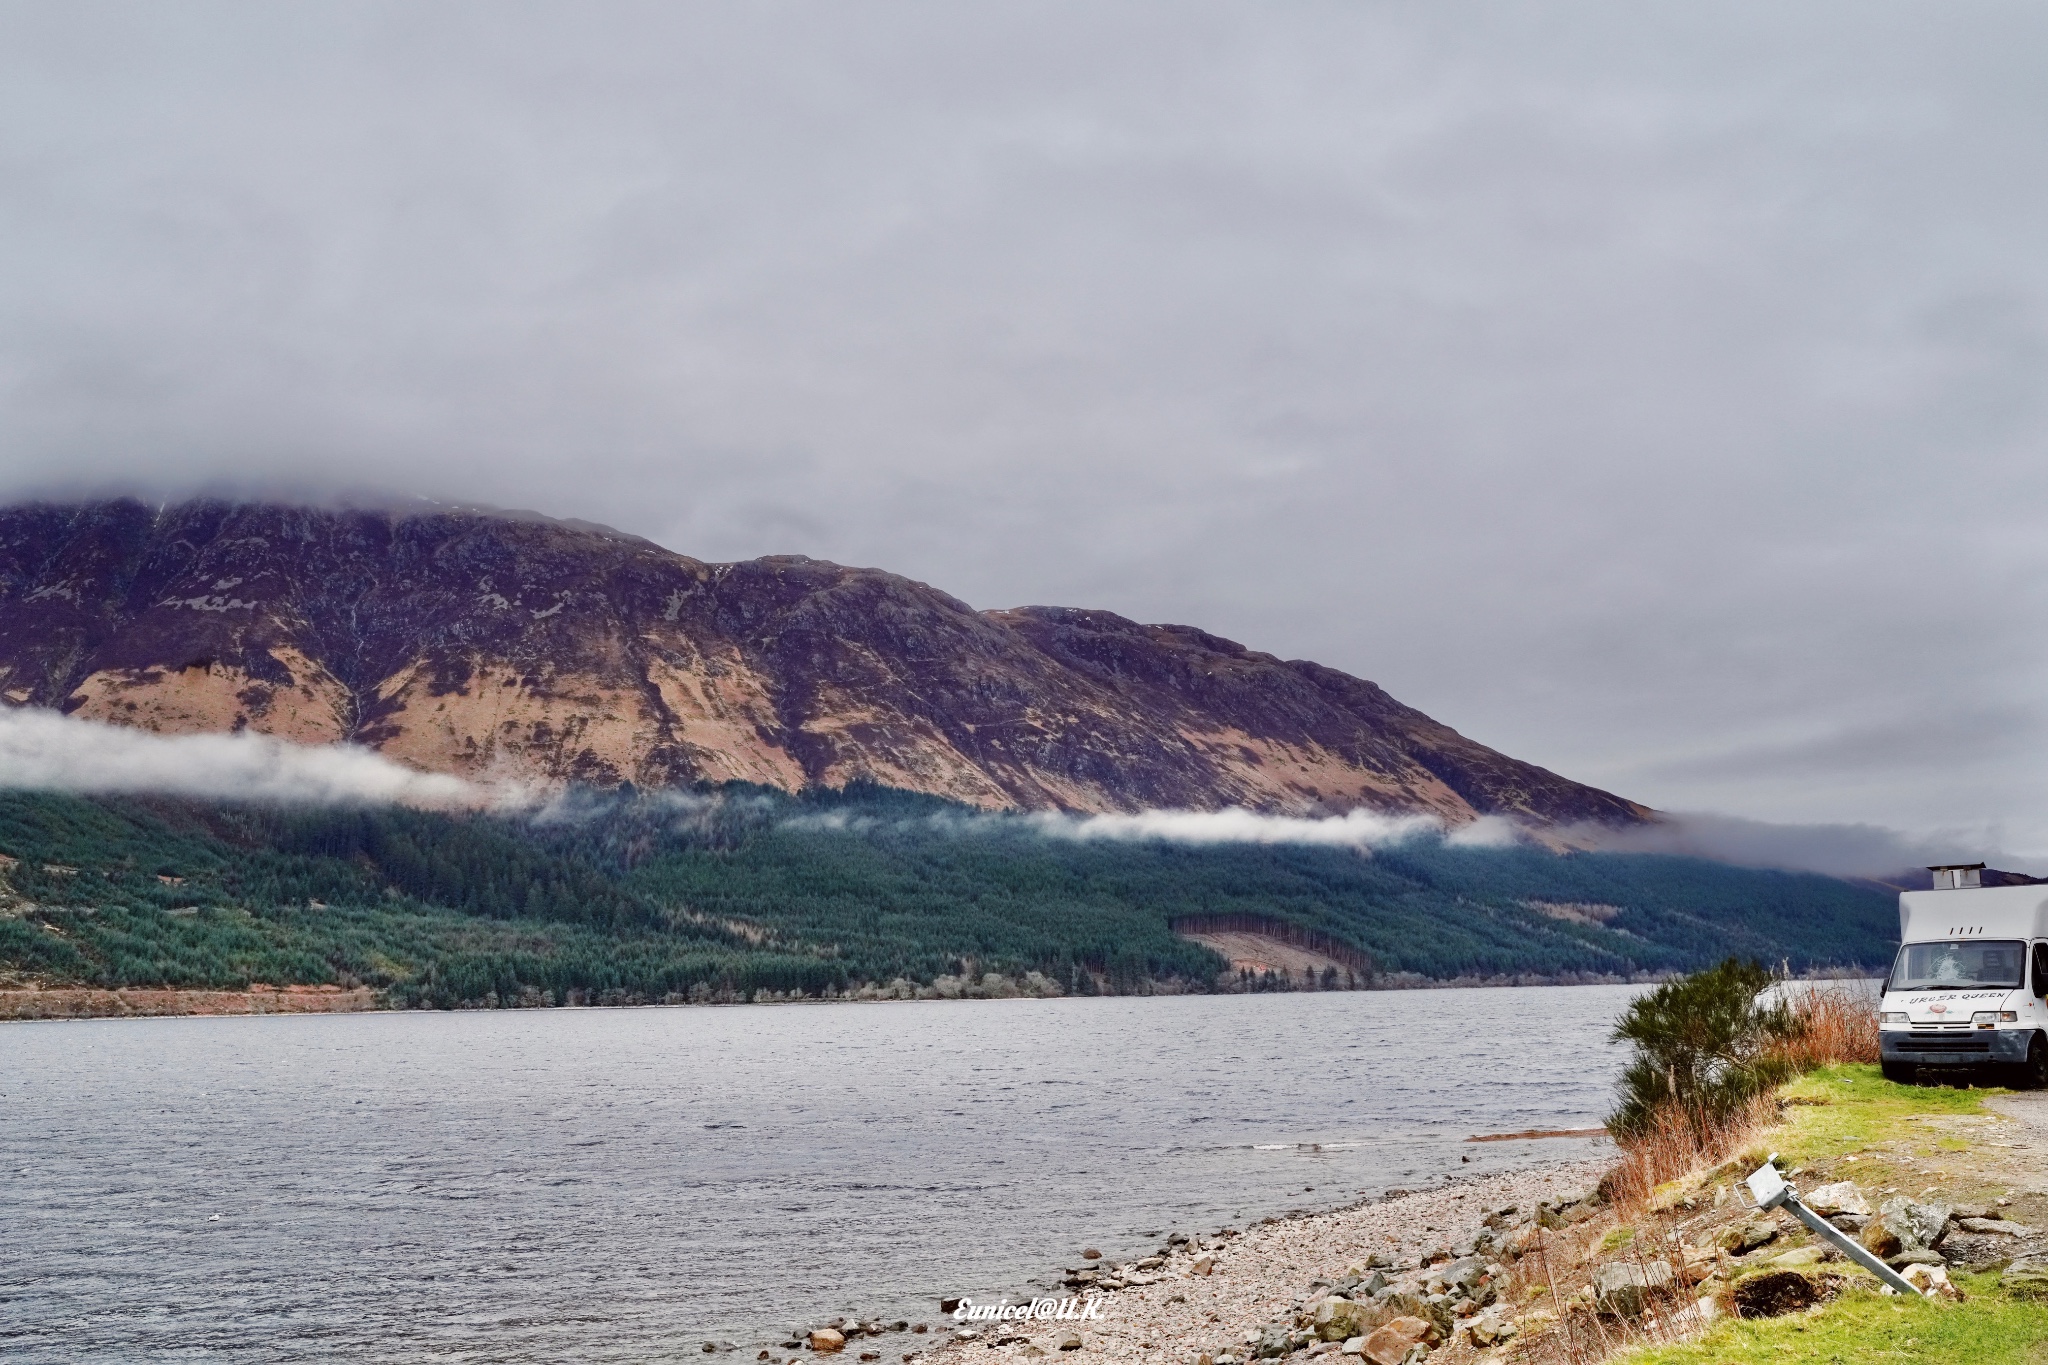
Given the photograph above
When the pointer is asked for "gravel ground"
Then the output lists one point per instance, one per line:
(1259, 1277)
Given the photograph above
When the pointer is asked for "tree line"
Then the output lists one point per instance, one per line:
(741, 893)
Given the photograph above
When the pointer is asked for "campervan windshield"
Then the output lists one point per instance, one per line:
(1970, 965)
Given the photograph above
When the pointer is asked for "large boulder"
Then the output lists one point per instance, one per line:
(1840, 1197)
(1623, 1289)
(827, 1340)
(1918, 1227)
(1339, 1319)
(1390, 1344)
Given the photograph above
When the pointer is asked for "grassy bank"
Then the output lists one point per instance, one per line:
(1848, 1123)
(1671, 1261)
(1860, 1326)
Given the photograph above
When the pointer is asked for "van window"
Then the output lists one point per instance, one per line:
(2041, 970)
(1960, 966)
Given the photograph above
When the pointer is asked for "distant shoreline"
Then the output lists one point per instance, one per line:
(42, 1003)
(53, 1003)
(84, 1002)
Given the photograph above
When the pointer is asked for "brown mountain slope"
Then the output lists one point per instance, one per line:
(506, 644)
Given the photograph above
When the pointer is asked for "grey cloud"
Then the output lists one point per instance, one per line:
(1626, 386)
(1937, 742)
(45, 751)
(1836, 850)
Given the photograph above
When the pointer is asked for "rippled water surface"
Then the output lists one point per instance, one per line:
(615, 1185)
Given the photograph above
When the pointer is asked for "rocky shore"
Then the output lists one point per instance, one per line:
(1541, 1265)
(1301, 1284)
(1231, 1294)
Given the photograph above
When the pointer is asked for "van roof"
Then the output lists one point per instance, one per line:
(1973, 912)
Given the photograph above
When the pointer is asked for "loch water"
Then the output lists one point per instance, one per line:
(623, 1185)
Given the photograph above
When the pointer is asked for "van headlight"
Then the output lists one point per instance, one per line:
(1892, 1017)
(1990, 1018)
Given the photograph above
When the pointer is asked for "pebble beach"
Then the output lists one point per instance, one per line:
(1183, 1310)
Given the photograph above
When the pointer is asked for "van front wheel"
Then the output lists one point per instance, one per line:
(1902, 1072)
(2032, 1074)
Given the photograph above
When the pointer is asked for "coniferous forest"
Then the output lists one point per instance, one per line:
(745, 894)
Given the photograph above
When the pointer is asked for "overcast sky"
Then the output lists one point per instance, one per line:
(1654, 392)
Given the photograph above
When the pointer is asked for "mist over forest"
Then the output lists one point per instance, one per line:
(743, 893)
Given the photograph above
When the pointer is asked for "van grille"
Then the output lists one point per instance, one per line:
(1963, 1039)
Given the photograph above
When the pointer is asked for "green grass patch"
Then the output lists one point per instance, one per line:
(1843, 1109)
(1862, 1326)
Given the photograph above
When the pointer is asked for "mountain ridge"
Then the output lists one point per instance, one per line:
(510, 644)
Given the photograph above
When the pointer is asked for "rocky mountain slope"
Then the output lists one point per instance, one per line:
(492, 644)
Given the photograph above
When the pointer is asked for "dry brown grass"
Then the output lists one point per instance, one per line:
(1682, 1139)
(1835, 1026)
(1580, 1335)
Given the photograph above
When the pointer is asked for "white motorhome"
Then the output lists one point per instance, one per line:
(1970, 987)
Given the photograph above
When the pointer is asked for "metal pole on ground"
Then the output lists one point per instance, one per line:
(1771, 1191)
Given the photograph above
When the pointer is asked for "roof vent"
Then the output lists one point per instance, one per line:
(1957, 876)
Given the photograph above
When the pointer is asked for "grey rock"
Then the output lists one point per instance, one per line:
(1994, 1227)
(1402, 1303)
(1746, 1237)
(1340, 1319)
(1969, 1249)
(2027, 1277)
(1273, 1343)
(1623, 1289)
(1465, 1273)
(1841, 1197)
(1919, 1227)
(1490, 1329)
